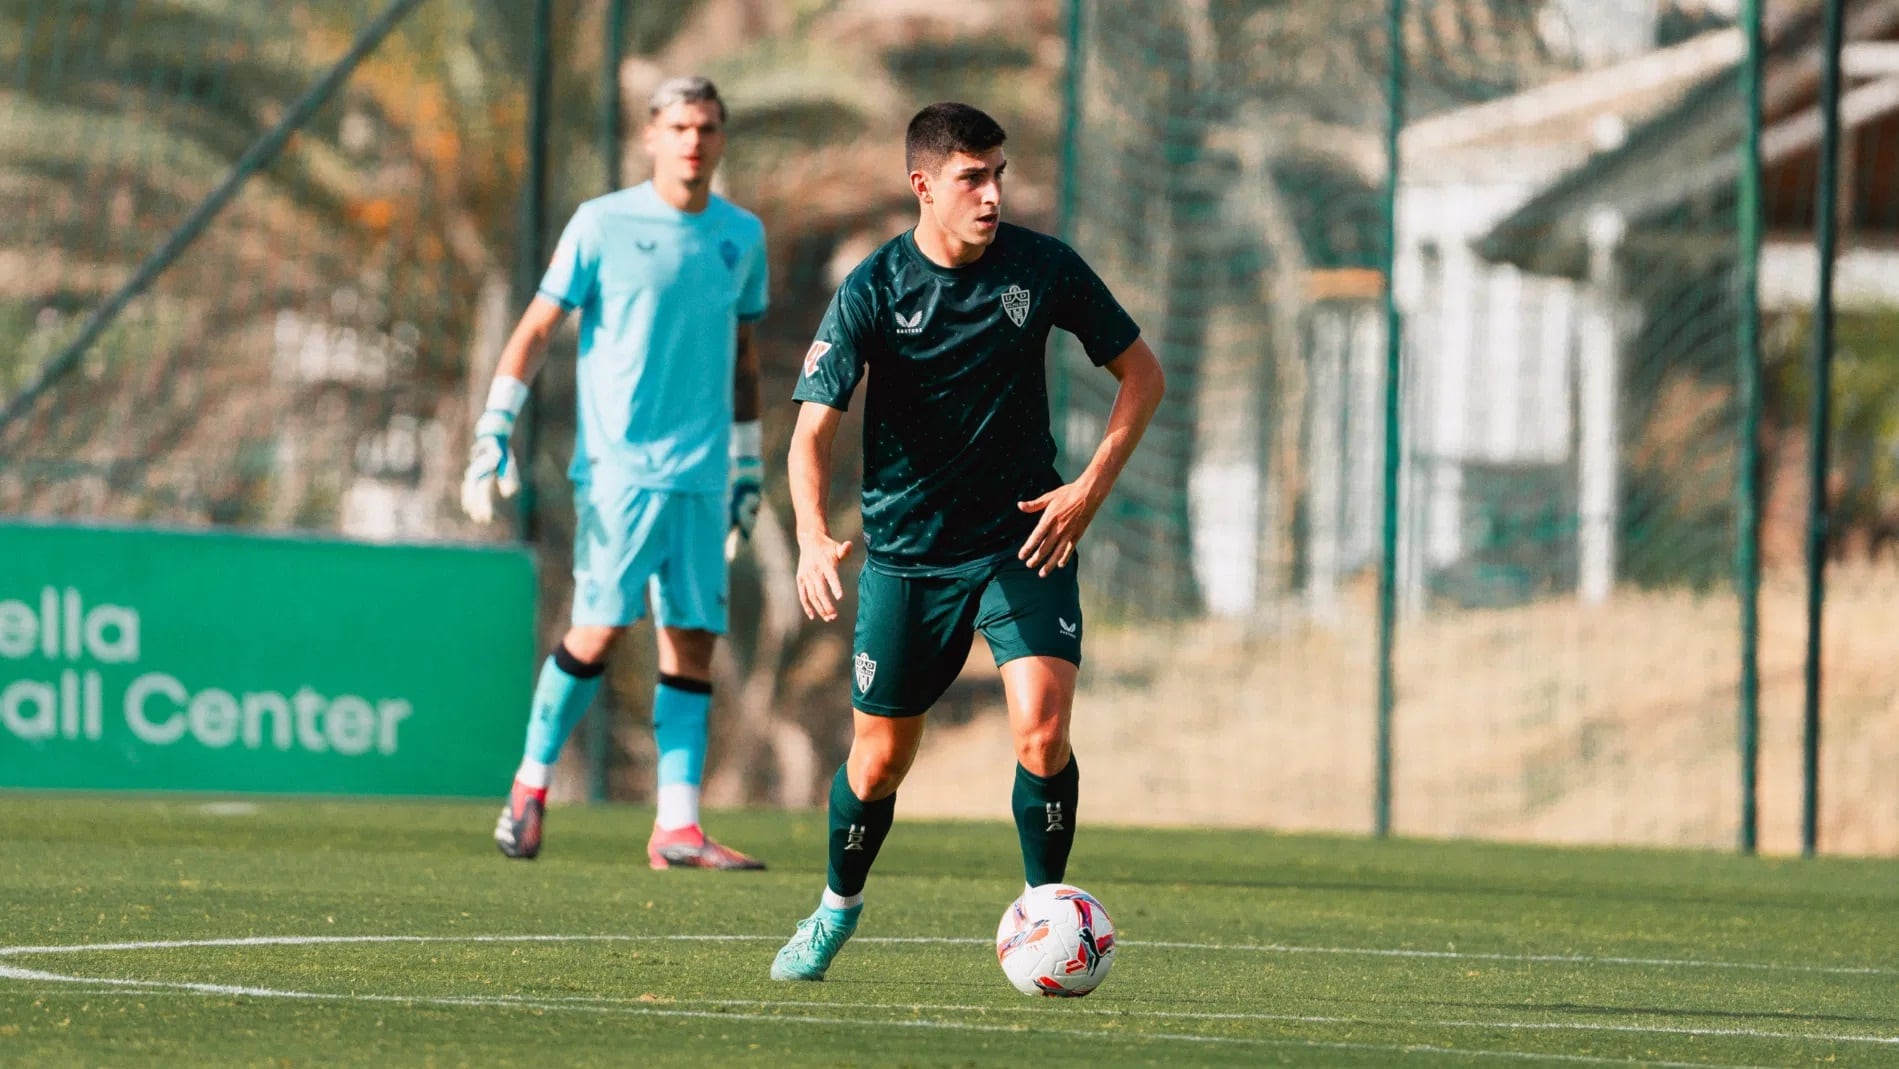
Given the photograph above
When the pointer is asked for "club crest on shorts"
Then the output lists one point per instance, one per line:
(1015, 301)
(866, 671)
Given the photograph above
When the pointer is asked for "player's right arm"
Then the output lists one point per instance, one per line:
(567, 285)
(491, 464)
(832, 368)
(808, 470)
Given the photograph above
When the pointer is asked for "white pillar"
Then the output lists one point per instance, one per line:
(1325, 461)
(1599, 448)
(1503, 364)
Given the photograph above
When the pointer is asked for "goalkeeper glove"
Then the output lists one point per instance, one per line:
(748, 473)
(491, 466)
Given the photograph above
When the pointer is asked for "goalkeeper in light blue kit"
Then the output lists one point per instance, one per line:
(668, 279)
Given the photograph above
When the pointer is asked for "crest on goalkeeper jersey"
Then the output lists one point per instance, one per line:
(866, 671)
(1015, 301)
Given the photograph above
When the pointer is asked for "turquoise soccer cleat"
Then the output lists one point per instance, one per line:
(818, 939)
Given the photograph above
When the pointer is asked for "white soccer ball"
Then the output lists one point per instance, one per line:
(1055, 940)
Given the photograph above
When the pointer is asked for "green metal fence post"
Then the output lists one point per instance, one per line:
(1820, 433)
(1747, 563)
(255, 158)
(531, 251)
(599, 718)
(610, 110)
(1065, 198)
(1394, 441)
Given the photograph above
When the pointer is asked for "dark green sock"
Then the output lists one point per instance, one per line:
(1045, 821)
(857, 833)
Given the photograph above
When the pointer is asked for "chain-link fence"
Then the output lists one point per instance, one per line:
(1586, 474)
(1570, 605)
(300, 360)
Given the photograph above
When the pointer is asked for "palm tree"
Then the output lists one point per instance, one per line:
(331, 297)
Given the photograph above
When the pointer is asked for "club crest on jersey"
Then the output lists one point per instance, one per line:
(910, 324)
(1015, 301)
(813, 355)
(728, 251)
(866, 671)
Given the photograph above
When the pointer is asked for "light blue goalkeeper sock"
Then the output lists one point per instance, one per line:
(566, 687)
(679, 729)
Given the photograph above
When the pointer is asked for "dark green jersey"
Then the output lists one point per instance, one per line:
(956, 427)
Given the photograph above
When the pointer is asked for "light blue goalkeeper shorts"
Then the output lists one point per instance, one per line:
(629, 542)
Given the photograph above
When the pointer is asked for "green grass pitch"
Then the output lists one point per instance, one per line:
(180, 932)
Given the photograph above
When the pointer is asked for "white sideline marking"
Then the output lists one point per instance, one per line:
(119, 986)
(1295, 1018)
(132, 986)
(1261, 948)
(1542, 959)
(1283, 1018)
(147, 987)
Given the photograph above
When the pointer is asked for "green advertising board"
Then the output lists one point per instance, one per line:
(160, 660)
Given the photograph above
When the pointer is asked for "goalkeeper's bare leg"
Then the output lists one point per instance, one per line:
(568, 681)
(681, 701)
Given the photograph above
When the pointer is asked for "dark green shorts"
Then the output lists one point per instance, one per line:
(914, 632)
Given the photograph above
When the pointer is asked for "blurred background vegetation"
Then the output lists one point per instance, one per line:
(314, 360)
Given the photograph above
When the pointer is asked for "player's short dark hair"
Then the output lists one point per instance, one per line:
(942, 130)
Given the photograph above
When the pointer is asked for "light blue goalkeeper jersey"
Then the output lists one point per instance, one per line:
(661, 293)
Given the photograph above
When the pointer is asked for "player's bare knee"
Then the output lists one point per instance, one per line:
(687, 653)
(1042, 748)
(877, 766)
(589, 644)
(873, 783)
(877, 771)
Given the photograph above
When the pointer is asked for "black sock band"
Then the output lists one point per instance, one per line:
(858, 829)
(1045, 821)
(565, 660)
(685, 684)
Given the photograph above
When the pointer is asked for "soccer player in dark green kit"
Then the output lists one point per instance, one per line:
(967, 525)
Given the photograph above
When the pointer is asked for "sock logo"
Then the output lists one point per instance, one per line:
(854, 837)
(1053, 811)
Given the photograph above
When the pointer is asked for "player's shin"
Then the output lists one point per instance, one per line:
(1045, 821)
(561, 696)
(858, 829)
(679, 734)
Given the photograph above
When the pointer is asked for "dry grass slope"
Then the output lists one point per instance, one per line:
(1553, 722)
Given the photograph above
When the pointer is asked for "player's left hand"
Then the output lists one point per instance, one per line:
(747, 493)
(1066, 512)
(748, 480)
